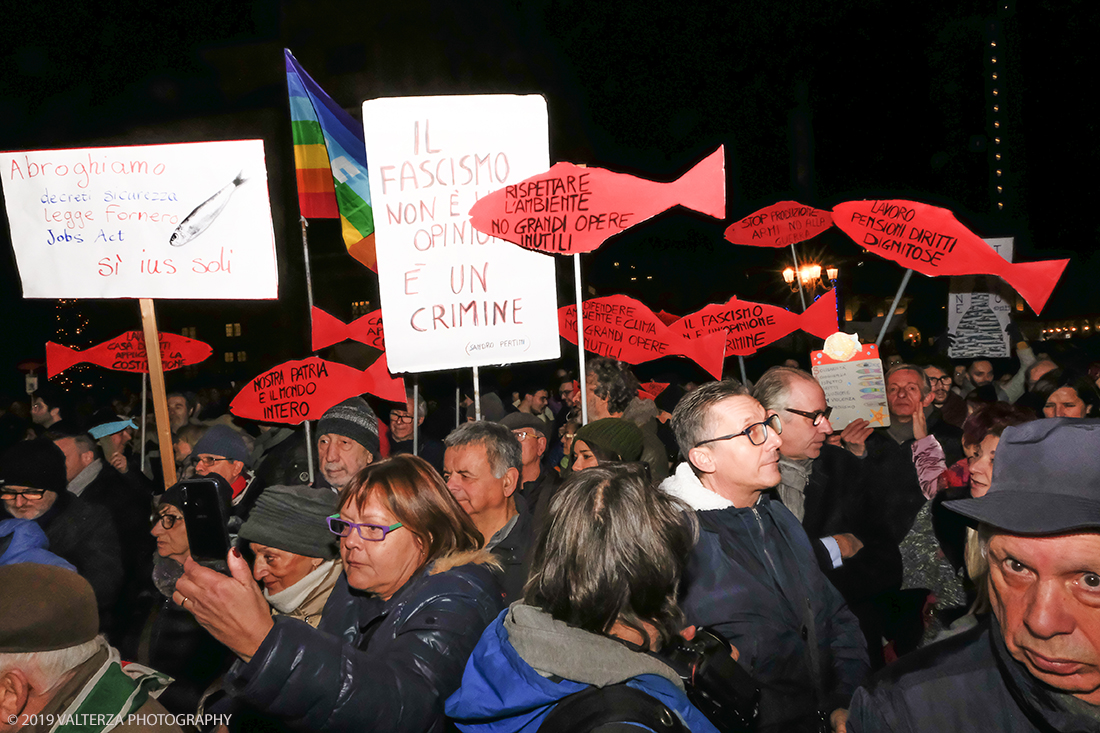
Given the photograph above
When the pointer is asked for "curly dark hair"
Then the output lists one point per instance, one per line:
(613, 549)
(613, 381)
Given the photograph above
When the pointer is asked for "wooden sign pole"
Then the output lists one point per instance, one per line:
(160, 397)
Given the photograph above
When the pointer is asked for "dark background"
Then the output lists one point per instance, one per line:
(819, 102)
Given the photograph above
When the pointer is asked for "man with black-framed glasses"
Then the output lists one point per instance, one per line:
(822, 485)
(753, 576)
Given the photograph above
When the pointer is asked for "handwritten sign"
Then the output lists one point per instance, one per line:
(570, 209)
(126, 353)
(855, 389)
(328, 330)
(779, 225)
(931, 241)
(302, 390)
(453, 296)
(159, 221)
(751, 326)
(625, 329)
(979, 310)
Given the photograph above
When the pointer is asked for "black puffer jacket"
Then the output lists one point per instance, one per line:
(374, 665)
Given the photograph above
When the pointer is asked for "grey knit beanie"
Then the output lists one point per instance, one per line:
(293, 519)
(353, 419)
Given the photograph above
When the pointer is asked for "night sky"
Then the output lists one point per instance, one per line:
(819, 102)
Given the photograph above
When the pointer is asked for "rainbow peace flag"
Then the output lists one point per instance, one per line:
(330, 158)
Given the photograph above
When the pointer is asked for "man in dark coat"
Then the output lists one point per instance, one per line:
(822, 485)
(32, 474)
(537, 481)
(894, 488)
(753, 576)
(1034, 664)
(481, 468)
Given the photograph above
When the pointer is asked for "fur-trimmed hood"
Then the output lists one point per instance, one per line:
(466, 557)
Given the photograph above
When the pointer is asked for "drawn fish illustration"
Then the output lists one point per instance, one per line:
(787, 222)
(329, 330)
(571, 209)
(126, 353)
(752, 326)
(199, 220)
(933, 242)
(302, 390)
(626, 329)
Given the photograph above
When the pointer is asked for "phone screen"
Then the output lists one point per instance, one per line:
(207, 530)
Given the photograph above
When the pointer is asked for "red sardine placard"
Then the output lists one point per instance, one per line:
(570, 209)
(778, 225)
(752, 326)
(126, 353)
(626, 329)
(328, 330)
(302, 390)
(933, 242)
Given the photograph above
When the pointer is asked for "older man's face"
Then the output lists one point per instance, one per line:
(903, 393)
(24, 502)
(341, 458)
(1046, 596)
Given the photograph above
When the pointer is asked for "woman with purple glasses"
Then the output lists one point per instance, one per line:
(396, 632)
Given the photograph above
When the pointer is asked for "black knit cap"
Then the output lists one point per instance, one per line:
(353, 419)
(293, 519)
(36, 464)
(44, 608)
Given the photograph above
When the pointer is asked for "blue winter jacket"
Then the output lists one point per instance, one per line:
(374, 665)
(22, 540)
(502, 693)
(754, 578)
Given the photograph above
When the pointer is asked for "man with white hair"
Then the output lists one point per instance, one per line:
(56, 672)
(1034, 663)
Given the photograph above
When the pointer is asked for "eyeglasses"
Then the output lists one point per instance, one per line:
(369, 532)
(944, 379)
(166, 520)
(816, 417)
(400, 417)
(209, 461)
(522, 435)
(33, 495)
(757, 433)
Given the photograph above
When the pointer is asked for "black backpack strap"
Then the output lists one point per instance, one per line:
(611, 708)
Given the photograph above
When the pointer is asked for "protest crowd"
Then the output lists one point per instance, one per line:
(528, 571)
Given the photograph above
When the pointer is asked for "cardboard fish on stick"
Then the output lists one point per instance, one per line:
(570, 209)
(930, 240)
(752, 326)
(302, 390)
(627, 330)
(126, 353)
(779, 225)
(328, 330)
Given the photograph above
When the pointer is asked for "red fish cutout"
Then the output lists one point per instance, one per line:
(652, 390)
(126, 353)
(570, 209)
(302, 390)
(627, 330)
(328, 330)
(752, 326)
(933, 242)
(778, 225)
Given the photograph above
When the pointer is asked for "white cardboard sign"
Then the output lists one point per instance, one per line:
(452, 296)
(190, 220)
(979, 309)
(855, 389)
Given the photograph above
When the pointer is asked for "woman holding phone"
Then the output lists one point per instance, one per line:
(416, 592)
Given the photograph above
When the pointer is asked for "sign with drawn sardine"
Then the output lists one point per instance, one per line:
(190, 220)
